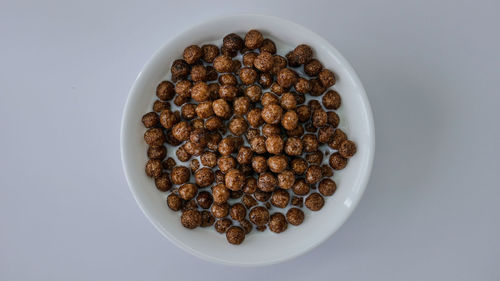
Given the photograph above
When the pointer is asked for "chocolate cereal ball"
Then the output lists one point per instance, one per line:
(286, 179)
(265, 80)
(337, 162)
(267, 182)
(325, 134)
(241, 105)
(303, 53)
(165, 91)
(220, 210)
(235, 235)
(248, 75)
(297, 132)
(268, 46)
(277, 89)
(234, 180)
(159, 152)
(183, 88)
(191, 219)
(174, 202)
(246, 225)
(292, 59)
(213, 140)
(168, 119)
(258, 144)
(268, 98)
(259, 164)
(327, 187)
(327, 78)
(293, 146)
(315, 157)
(210, 52)
(286, 78)
(253, 39)
(295, 216)
(347, 149)
(219, 177)
(277, 163)
(222, 225)
(290, 120)
(314, 202)
(232, 42)
(252, 133)
(227, 52)
(221, 108)
(319, 118)
(213, 123)
(179, 70)
(226, 163)
(313, 67)
(338, 137)
(206, 219)
(188, 111)
(154, 168)
(249, 58)
(180, 175)
(303, 113)
(277, 223)
(253, 92)
(238, 126)
(331, 100)
(259, 215)
(264, 62)
(302, 86)
(244, 156)
(280, 198)
(228, 92)
(250, 185)
(288, 101)
(254, 117)
(198, 73)
(204, 110)
(228, 79)
(154, 137)
(248, 201)
(181, 131)
(327, 171)
(163, 182)
(220, 193)
(300, 187)
(279, 63)
(200, 92)
(223, 64)
(182, 154)
(238, 212)
(204, 177)
(317, 89)
(226, 146)
(272, 113)
(192, 54)
(297, 201)
(150, 120)
(310, 143)
(188, 191)
(204, 199)
(274, 144)
(262, 196)
(269, 130)
(313, 174)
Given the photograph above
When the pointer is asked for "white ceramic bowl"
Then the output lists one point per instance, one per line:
(266, 247)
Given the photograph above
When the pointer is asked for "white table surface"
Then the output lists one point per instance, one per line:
(431, 210)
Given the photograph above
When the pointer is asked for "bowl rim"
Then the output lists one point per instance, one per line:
(364, 177)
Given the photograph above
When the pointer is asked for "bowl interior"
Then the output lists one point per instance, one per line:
(266, 247)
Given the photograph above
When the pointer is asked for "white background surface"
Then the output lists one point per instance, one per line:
(431, 209)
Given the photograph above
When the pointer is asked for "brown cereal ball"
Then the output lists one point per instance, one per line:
(317, 89)
(150, 120)
(327, 78)
(286, 78)
(268, 46)
(213, 123)
(253, 39)
(292, 59)
(277, 89)
(228, 92)
(310, 128)
(174, 202)
(272, 113)
(246, 225)
(286, 179)
(188, 191)
(265, 80)
(227, 52)
(315, 157)
(327, 171)
(293, 146)
(159, 106)
(228, 79)
(209, 159)
(331, 100)
(179, 70)
(319, 118)
(297, 201)
(220, 210)
(238, 125)
(277, 223)
(325, 134)
(180, 175)
(248, 75)
(268, 98)
(300, 187)
(221, 108)
(259, 215)
(226, 163)
(248, 201)
(249, 58)
(200, 92)
(210, 52)
(252, 133)
(159, 152)
(327, 187)
(279, 63)
(254, 93)
(168, 119)
(242, 106)
(183, 88)
(206, 219)
(244, 155)
(314, 202)
(165, 90)
(238, 212)
(182, 154)
(254, 117)
(163, 182)
(235, 235)
(193, 148)
(280, 198)
(198, 123)
(235, 194)
(191, 219)
(313, 105)
(181, 131)
(233, 42)
(310, 143)
(250, 185)
(288, 101)
(204, 110)
(303, 53)
(302, 86)
(313, 67)
(270, 130)
(297, 132)
(338, 137)
(313, 174)
(277, 163)
(347, 149)
(204, 177)
(236, 66)
(300, 98)
(188, 111)
(262, 196)
(295, 216)
(226, 146)
(192, 54)
(154, 137)
(238, 141)
(222, 225)
(211, 75)
(169, 164)
(264, 62)
(259, 164)
(337, 162)
(213, 140)
(220, 193)
(333, 118)
(213, 89)
(258, 144)
(223, 64)
(303, 113)
(274, 144)
(290, 120)
(204, 199)
(235, 180)
(267, 182)
(198, 73)
(180, 100)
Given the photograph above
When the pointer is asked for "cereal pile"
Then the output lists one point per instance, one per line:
(246, 135)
